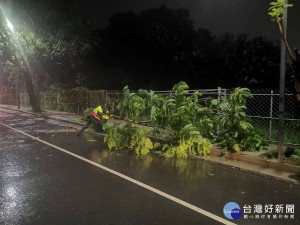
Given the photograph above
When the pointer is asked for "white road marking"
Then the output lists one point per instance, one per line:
(161, 193)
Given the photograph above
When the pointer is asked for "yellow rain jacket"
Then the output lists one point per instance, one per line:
(99, 111)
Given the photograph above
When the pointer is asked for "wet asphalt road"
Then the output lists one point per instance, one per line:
(41, 185)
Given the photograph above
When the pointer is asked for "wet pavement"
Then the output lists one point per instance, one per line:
(41, 185)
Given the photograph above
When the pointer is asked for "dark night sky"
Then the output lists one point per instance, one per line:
(219, 16)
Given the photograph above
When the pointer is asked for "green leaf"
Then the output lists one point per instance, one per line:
(214, 102)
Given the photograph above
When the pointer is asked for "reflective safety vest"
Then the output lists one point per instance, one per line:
(97, 111)
(106, 117)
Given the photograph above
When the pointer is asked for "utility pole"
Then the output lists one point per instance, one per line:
(280, 145)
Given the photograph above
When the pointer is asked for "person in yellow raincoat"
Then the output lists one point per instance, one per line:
(96, 118)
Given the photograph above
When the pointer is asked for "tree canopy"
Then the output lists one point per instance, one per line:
(42, 45)
(151, 49)
(161, 46)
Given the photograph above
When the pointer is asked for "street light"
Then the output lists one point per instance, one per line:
(9, 25)
(11, 28)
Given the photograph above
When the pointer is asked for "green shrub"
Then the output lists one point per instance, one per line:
(80, 89)
(253, 142)
(237, 133)
(297, 153)
(192, 126)
(273, 154)
(140, 142)
(131, 105)
(187, 141)
(114, 136)
(128, 136)
(289, 151)
(57, 87)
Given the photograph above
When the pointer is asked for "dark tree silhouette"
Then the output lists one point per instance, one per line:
(296, 73)
(160, 46)
(42, 52)
(249, 62)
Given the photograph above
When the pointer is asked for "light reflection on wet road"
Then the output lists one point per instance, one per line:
(39, 183)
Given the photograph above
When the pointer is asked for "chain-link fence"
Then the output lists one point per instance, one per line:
(262, 108)
(71, 101)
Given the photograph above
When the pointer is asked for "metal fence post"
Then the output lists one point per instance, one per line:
(219, 99)
(18, 94)
(219, 94)
(150, 109)
(271, 116)
(105, 101)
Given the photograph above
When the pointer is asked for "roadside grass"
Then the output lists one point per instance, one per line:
(79, 120)
(291, 134)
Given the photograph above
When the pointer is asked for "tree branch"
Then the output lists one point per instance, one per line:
(285, 41)
(56, 47)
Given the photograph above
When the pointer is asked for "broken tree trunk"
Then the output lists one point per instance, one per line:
(33, 100)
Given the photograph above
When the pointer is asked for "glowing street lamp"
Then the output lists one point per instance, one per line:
(11, 28)
(9, 25)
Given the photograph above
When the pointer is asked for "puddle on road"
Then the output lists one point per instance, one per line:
(91, 146)
(184, 172)
(181, 170)
(16, 202)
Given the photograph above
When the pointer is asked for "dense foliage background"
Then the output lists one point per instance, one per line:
(152, 50)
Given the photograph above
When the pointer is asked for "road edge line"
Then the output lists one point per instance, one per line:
(161, 193)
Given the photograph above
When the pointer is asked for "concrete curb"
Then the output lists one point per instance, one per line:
(268, 176)
(260, 162)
